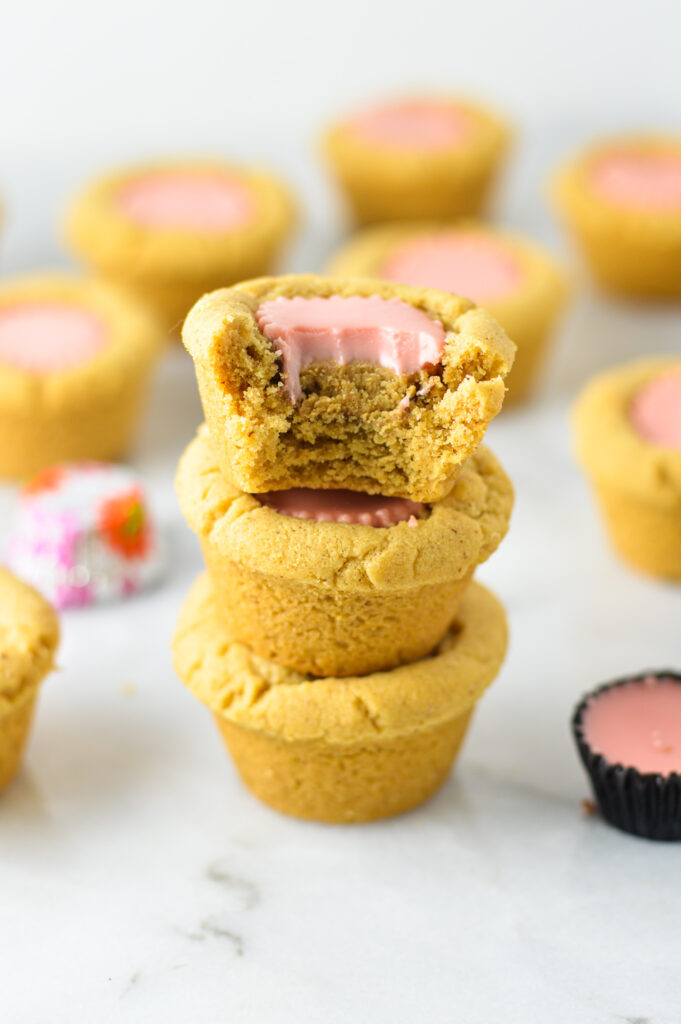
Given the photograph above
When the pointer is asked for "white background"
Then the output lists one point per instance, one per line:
(138, 881)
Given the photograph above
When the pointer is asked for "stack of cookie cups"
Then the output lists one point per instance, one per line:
(337, 636)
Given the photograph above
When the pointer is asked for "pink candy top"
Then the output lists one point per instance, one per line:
(205, 201)
(385, 332)
(648, 181)
(339, 506)
(637, 725)
(655, 412)
(415, 125)
(44, 337)
(462, 262)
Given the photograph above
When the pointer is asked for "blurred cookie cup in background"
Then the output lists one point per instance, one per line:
(621, 202)
(416, 158)
(513, 278)
(170, 231)
(29, 635)
(627, 425)
(76, 357)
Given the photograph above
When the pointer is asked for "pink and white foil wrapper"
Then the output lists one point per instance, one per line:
(82, 533)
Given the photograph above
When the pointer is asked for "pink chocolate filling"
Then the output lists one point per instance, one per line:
(49, 336)
(637, 725)
(205, 201)
(655, 412)
(339, 506)
(462, 262)
(384, 332)
(415, 125)
(649, 181)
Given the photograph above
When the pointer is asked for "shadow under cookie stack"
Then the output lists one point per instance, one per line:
(343, 500)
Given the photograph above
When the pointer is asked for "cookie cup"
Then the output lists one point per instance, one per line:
(637, 484)
(341, 599)
(87, 411)
(528, 314)
(29, 634)
(359, 426)
(171, 267)
(340, 750)
(389, 183)
(629, 251)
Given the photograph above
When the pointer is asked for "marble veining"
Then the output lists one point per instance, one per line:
(244, 893)
(139, 882)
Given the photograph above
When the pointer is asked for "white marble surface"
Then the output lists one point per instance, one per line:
(140, 882)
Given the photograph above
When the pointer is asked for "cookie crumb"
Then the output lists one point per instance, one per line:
(589, 808)
(129, 689)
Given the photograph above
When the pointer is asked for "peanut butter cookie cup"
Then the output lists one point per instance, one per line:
(29, 634)
(323, 382)
(419, 158)
(76, 356)
(168, 232)
(360, 584)
(628, 436)
(341, 749)
(621, 200)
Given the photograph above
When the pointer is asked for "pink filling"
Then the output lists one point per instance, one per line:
(645, 180)
(49, 336)
(637, 725)
(385, 332)
(417, 125)
(341, 506)
(655, 412)
(461, 262)
(191, 200)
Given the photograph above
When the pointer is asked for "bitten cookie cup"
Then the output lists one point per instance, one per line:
(637, 482)
(417, 159)
(341, 750)
(621, 201)
(335, 598)
(75, 360)
(628, 734)
(403, 428)
(514, 279)
(169, 232)
(29, 635)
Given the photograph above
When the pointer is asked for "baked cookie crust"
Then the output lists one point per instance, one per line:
(88, 411)
(341, 749)
(387, 183)
(171, 267)
(637, 483)
(630, 251)
(29, 635)
(336, 598)
(359, 426)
